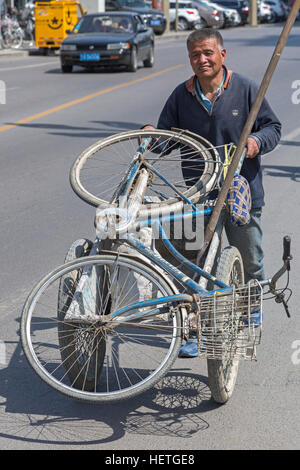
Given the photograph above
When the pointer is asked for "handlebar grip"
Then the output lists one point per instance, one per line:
(286, 248)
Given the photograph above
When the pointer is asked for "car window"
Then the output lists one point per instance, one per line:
(105, 24)
(138, 19)
(228, 4)
(133, 4)
(182, 5)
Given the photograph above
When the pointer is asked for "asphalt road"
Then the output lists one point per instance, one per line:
(48, 119)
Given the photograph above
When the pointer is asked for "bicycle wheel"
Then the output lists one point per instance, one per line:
(67, 333)
(17, 40)
(189, 164)
(7, 40)
(104, 360)
(222, 374)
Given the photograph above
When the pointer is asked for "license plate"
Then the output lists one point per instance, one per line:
(92, 56)
(154, 22)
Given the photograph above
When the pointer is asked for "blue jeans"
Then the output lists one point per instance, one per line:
(248, 240)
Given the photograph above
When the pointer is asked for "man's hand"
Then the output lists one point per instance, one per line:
(146, 128)
(252, 148)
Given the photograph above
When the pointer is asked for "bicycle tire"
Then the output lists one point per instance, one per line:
(222, 374)
(82, 376)
(6, 40)
(94, 178)
(136, 356)
(17, 40)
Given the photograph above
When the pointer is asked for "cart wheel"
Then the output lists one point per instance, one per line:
(222, 374)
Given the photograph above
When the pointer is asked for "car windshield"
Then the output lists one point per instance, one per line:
(182, 5)
(227, 3)
(105, 24)
(134, 4)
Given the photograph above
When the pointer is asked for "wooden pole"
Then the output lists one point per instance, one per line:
(166, 10)
(248, 127)
(252, 15)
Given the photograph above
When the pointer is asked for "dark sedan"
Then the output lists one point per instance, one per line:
(108, 39)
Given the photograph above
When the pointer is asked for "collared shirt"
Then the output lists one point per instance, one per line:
(207, 103)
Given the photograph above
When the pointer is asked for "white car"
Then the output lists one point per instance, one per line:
(265, 12)
(231, 16)
(188, 17)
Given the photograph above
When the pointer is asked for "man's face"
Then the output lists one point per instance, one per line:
(206, 58)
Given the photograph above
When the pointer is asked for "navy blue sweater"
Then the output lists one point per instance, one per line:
(184, 109)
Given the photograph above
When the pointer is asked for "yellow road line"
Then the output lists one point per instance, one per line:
(86, 98)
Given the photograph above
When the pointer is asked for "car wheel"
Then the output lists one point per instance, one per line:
(133, 61)
(66, 68)
(149, 62)
(183, 25)
(202, 24)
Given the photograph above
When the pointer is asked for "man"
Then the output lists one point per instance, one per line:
(215, 104)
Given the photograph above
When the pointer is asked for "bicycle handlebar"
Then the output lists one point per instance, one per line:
(287, 251)
(287, 257)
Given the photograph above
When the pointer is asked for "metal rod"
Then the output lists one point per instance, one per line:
(248, 126)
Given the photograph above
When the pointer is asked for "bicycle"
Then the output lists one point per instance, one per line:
(108, 324)
(12, 33)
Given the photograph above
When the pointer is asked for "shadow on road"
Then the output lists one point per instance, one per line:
(100, 130)
(282, 171)
(31, 412)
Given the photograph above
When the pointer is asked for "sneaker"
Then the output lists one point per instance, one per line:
(255, 319)
(189, 349)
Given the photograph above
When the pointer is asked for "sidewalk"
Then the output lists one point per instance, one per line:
(26, 50)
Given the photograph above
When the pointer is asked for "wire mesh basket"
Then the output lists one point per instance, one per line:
(226, 329)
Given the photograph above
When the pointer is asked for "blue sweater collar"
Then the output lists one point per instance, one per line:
(207, 103)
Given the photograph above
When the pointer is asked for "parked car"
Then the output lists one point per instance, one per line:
(108, 39)
(231, 16)
(154, 18)
(212, 16)
(236, 5)
(265, 14)
(188, 17)
(278, 9)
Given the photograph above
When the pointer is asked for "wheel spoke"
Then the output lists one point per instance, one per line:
(96, 173)
(99, 360)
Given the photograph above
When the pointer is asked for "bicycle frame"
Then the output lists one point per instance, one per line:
(133, 202)
(107, 334)
(187, 282)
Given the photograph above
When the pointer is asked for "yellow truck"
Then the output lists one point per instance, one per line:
(54, 21)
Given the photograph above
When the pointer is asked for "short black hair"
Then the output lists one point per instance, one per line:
(205, 33)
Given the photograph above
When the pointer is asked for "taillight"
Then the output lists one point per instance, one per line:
(216, 13)
(190, 12)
